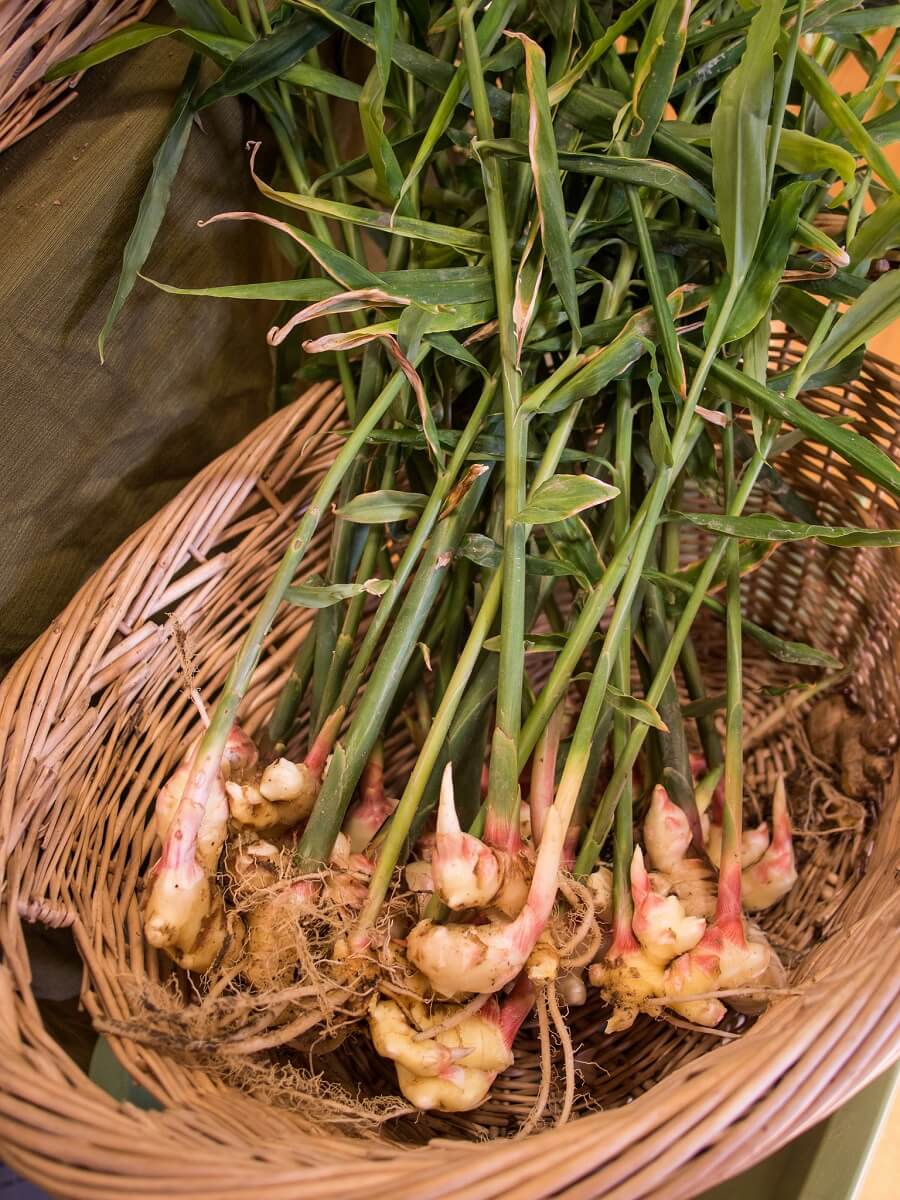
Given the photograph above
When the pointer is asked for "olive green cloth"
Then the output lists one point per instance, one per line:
(89, 451)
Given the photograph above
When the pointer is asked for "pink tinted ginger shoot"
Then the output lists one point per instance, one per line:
(775, 873)
(543, 771)
(626, 975)
(286, 792)
(724, 958)
(460, 959)
(373, 808)
(667, 831)
(466, 873)
(184, 912)
(754, 843)
(660, 922)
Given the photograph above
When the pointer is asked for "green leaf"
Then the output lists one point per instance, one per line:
(449, 286)
(572, 542)
(764, 275)
(586, 374)
(155, 199)
(270, 56)
(218, 46)
(382, 507)
(547, 183)
(876, 309)
(299, 290)
(313, 595)
(121, 42)
(487, 33)
(841, 115)
(642, 172)
(764, 527)
(878, 234)
(655, 69)
(384, 222)
(562, 496)
(341, 267)
(635, 709)
(371, 102)
(803, 154)
(869, 459)
(798, 653)
(447, 344)
(485, 552)
(866, 20)
(738, 138)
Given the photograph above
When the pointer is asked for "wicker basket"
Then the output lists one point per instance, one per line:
(93, 717)
(35, 35)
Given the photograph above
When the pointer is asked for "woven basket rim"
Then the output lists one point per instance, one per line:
(711, 1117)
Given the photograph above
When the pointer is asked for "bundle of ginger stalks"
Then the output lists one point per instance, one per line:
(547, 285)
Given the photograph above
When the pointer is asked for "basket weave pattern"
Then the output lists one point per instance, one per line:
(34, 36)
(95, 716)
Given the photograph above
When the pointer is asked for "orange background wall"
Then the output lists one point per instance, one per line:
(850, 78)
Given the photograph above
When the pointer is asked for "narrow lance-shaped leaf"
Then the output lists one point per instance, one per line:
(803, 154)
(487, 33)
(527, 288)
(876, 309)
(218, 46)
(344, 302)
(799, 653)
(313, 595)
(371, 102)
(642, 172)
(879, 233)
(155, 198)
(635, 708)
(764, 275)
(766, 528)
(564, 495)
(655, 70)
(842, 116)
(120, 42)
(409, 227)
(341, 267)
(447, 286)
(737, 139)
(870, 460)
(572, 542)
(588, 373)
(382, 508)
(548, 184)
(447, 344)
(271, 56)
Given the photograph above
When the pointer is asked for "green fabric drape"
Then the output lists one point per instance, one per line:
(89, 451)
